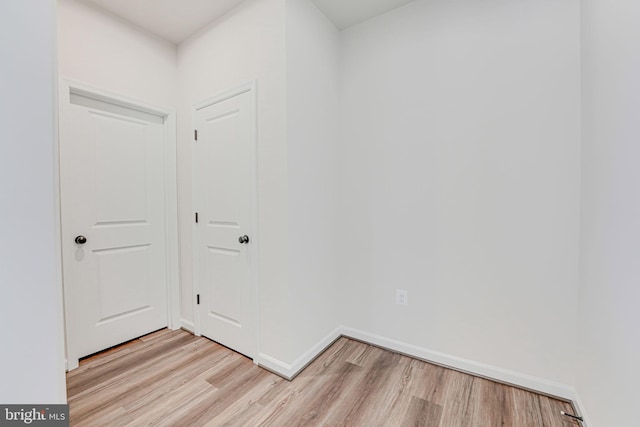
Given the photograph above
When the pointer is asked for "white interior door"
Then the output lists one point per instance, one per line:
(224, 194)
(112, 171)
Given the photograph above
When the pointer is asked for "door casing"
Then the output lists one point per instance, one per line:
(68, 87)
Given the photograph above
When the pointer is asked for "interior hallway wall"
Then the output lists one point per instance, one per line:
(98, 48)
(247, 44)
(32, 355)
(460, 180)
(312, 49)
(608, 345)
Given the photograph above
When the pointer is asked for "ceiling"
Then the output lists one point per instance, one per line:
(173, 20)
(176, 20)
(345, 13)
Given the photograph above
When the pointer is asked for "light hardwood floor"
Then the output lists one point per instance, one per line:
(172, 378)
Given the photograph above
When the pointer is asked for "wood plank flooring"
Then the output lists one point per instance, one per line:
(172, 378)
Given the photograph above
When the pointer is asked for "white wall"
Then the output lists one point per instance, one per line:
(102, 50)
(312, 156)
(608, 346)
(32, 355)
(246, 44)
(460, 180)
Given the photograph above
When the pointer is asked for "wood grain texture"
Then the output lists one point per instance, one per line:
(172, 378)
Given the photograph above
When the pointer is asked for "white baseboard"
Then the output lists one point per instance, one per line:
(274, 365)
(187, 325)
(470, 366)
(577, 402)
(290, 370)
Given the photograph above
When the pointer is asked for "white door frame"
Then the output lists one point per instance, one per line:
(68, 87)
(255, 241)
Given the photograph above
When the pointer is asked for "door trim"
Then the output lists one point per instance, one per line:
(66, 89)
(254, 270)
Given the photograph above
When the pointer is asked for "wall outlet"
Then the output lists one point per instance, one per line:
(402, 298)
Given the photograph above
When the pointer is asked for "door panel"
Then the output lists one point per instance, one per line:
(120, 190)
(112, 192)
(224, 304)
(123, 280)
(224, 190)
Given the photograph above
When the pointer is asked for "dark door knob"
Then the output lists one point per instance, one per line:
(243, 239)
(81, 240)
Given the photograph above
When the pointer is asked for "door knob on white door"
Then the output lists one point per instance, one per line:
(243, 239)
(81, 240)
